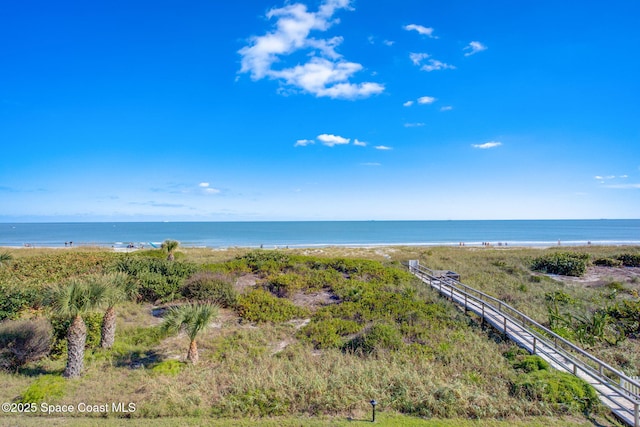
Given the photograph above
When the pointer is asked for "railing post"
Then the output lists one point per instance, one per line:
(465, 302)
(534, 344)
(505, 325)
(451, 292)
(636, 417)
(575, 369)
(483, 312)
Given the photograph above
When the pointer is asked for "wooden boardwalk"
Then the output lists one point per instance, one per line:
(615, 389)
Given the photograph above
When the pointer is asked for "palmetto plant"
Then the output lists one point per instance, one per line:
(78, 298)
(191, 318)
(170, 246)
(5, 258)
(118, 288)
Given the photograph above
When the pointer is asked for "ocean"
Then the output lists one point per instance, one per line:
(324, 233)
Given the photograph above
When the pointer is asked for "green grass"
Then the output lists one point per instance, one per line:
(382, 419)
(418, 360)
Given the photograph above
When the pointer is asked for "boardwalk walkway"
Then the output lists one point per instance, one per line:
(615, 389)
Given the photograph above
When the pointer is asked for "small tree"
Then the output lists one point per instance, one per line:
(23, 341)
(192, 318)
(170, 246)
(78, 298)
(118, 288)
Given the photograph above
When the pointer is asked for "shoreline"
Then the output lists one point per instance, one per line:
(118, 247)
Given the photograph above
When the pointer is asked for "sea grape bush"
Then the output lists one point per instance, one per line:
(563, 263)
(210, 287)
(261, 306)
(158, 280)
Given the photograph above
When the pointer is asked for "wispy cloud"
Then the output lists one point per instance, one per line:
(326, 73)
(207, 189)
(383, 147)
(359, 143)
(446, 108)
(388, 42)
(413, 125)
(487, 145)
(425, 31)
(304, 142)
(408, 104)
(602, 178)
(435, 65)
(431, 65)
(474, 47)
(417, 58)
(330, 140)
(426, 100)
(370, 164)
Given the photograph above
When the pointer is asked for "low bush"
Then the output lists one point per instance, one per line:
(17, 297)
(168, 367)
(531, 363)
(630, 260)
(380, 336)
(261, 306)
(328, 333)
(561, 390)
(45, 388)
(23, 341)
(210, 287)
(60, 325)
(607, 262)
(563, 263)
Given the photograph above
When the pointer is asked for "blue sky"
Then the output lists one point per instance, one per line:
(329, 110)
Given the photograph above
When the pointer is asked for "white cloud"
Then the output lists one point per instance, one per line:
(446, 108)
(383, 147)
(203, 184)
(425, 31)
(435, 65)
(388, 42)
(487, 145)
(370, 164)
(473, 48)
(211, 191)
(408, 104)
(304, 142)
(600, 178)
(426, 100)
(413, 125)
(417, 58)
(359, 143)
(330, 140)
(326, 73)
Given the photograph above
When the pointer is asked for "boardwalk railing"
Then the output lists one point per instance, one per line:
(619, 391)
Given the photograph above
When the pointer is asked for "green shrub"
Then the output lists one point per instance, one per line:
(45, 388)
(168, 367)
(211, 287)
(531, 363)
(328, 333)
(158, 280)
(261, 306)
(285, 285)
(17, 297)
(561, 390)
(630, 260)
(607, 262)
(563, 263)
(23, 341)
(61, 324)
(380, 336)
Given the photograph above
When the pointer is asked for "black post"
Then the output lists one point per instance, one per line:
(373, 406)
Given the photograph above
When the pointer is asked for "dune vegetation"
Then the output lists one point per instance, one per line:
(307, 334)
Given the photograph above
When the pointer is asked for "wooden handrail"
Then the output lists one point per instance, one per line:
(528, 324)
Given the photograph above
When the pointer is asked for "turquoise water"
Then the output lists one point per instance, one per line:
(321, 233)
